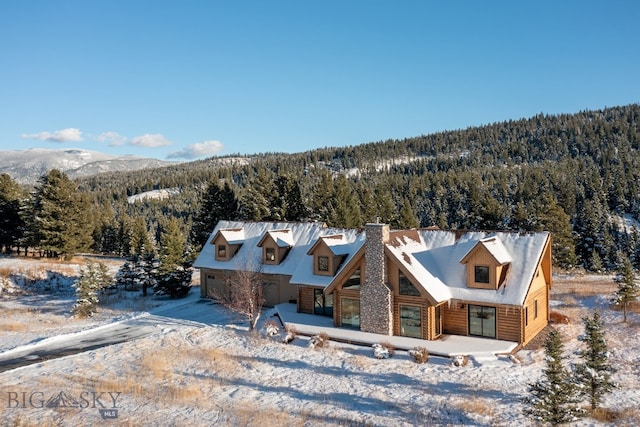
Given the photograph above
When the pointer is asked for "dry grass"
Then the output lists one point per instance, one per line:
(478, 405)
(622, 417)
(250, 416)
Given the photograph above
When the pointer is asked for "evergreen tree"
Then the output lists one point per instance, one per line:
(174, 270)
(286, 202)
(218, 203)
(627, 287)
(59, 218)
(130, 276)
(255, 204)
(407, 217)
(594, 374)
(347, 206)
(553, 398)
(93, 278)
(11, 223)
(140, 241)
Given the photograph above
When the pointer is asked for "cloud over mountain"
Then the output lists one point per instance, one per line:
(62, 135)
(197, 150)
(150, 140)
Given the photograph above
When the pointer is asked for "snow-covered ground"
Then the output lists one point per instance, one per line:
(197, 365)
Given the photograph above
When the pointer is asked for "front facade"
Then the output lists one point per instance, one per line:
(421, 283)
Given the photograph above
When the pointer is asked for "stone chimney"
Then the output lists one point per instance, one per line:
(376, 299)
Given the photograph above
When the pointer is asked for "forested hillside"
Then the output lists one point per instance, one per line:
(576, 175)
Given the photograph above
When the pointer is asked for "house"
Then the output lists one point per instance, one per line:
(421, 283)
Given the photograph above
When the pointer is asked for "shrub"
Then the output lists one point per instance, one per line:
(419, 354)
(270, 328)
(460, 360)
(319, 341)
(383, 350)
(291, 334)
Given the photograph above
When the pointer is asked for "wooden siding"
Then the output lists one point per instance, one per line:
(305, 299)
(508, 321)
(455, 319)
(539, 291)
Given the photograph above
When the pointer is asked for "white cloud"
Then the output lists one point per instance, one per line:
(114, 139)
(194, 151)
(62, 135)
(150, 140)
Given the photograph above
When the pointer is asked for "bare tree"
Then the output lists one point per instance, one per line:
(244, 293)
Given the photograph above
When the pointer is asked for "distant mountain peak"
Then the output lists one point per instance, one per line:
(27, 166)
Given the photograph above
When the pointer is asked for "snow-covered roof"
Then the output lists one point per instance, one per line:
(283, 238)
(234, 236)
(494, 246)
(300, 236)
(431, 256)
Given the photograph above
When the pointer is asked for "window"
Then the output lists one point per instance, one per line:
(353, 282)
(481, 274)
(438, 320)
(323, 263)
(405, 287)
(222, 251)
(482, 321)
(322, 304)
(270, 254)
(410, 321)
(350, 313)
(535, 309)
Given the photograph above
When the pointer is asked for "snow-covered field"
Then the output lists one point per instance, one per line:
(198, 365)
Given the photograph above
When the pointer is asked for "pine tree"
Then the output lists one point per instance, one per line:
(627, 287)
(11, 223)
(173, 277)
(407, 218)
(553, 398)
(59, 221)
(218, 203)
(594, 374)
(92, 279)
(255, 204)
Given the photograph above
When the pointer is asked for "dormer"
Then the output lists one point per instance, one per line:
(227, 243)
(275, 246)
(487, 264)
(325, 259)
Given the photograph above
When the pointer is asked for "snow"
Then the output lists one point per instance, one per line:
(196, 364)
(161, 194)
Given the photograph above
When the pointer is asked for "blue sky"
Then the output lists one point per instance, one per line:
(190, 79)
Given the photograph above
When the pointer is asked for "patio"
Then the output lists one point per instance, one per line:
(446, 346)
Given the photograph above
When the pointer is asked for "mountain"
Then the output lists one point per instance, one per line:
(26, 166)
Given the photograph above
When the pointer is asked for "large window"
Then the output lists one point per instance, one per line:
(323, 263)
(481, 274)
(410, 321)
(350, 312)
(405, 286)
(438, 320)
(322, 304)
(482, 321)
(353, 282)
